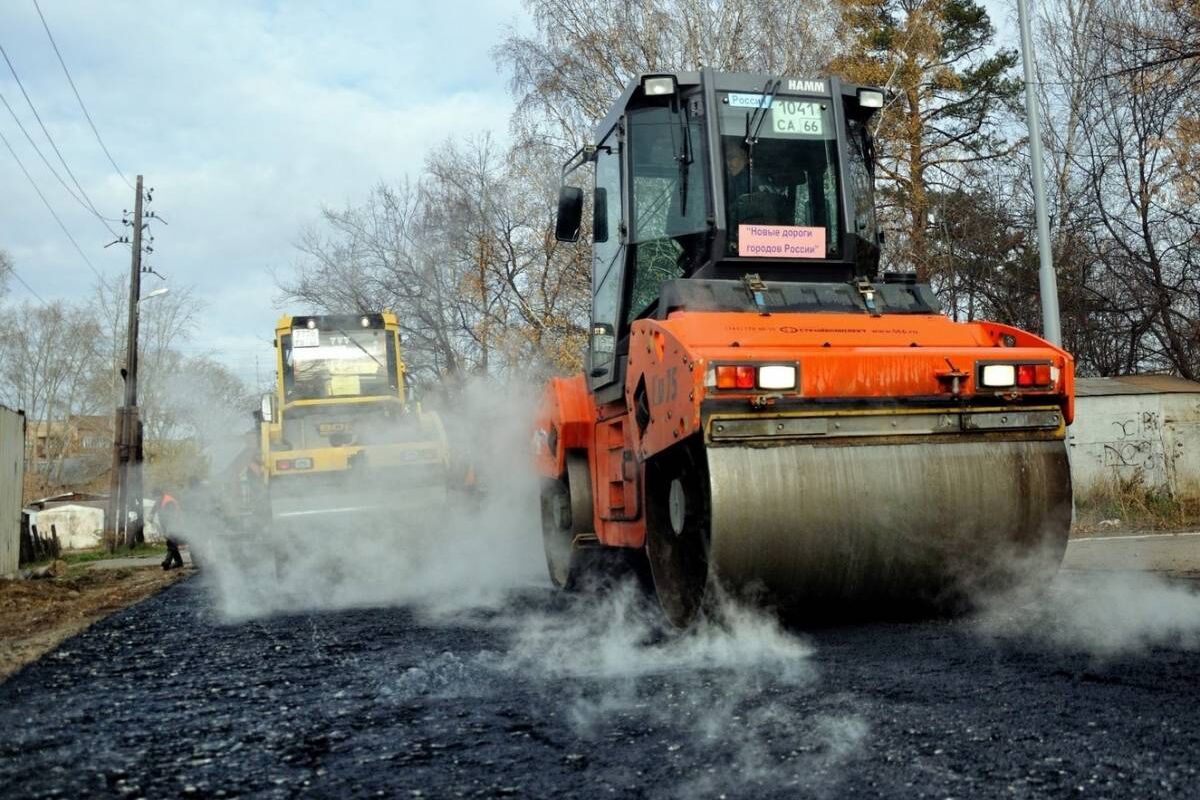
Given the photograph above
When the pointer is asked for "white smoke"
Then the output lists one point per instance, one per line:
(462, 552)
(1099, 613)
(720, 694)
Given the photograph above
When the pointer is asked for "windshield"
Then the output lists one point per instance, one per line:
(338, 363)
(781, 186)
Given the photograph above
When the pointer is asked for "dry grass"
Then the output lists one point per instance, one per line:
(1135, 506)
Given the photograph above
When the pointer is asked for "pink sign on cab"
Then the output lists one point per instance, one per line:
(781, 241)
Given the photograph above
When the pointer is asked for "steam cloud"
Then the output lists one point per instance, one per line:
(1104, 615)
(713, 694)
(445, 555)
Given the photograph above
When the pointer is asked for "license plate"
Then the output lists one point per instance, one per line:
(329, 428)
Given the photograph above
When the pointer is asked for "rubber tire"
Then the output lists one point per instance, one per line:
(679, 562)
(557, 536)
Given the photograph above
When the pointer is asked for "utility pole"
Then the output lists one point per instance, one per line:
(125, 485)
(1047, 281)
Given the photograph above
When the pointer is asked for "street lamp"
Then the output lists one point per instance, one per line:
(156, 293)
(1047, 281)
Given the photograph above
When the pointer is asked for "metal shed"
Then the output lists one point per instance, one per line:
(12, 480)
(1137, 426)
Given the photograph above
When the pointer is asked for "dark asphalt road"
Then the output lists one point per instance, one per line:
(1095, 693)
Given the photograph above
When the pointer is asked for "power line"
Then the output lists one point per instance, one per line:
(50, 208)
(87, 201)
(88, 116)
(89, 204)
(41, 155)
(13, 271)
(50, 167)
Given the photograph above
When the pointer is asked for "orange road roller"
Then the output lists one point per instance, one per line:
(765, 414)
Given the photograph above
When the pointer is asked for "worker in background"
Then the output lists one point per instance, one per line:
(169, 518)
(200, 510)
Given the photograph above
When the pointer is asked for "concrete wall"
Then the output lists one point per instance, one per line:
(12, 479)
(78, 527)
(1155, 436)
(150, 530)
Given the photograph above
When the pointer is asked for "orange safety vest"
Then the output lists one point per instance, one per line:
(167, 521)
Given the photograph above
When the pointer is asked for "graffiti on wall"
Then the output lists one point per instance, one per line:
(1136, 446)
(1152, 438)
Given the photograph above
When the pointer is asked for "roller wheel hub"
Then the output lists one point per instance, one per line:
(677, 507)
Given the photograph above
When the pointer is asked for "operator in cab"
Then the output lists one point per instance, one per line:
(752, 196)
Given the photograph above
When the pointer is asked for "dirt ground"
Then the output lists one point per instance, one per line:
(38, 615)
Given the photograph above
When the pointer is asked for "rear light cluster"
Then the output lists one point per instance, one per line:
(1017, 376)
(772, 377)
(285, 464)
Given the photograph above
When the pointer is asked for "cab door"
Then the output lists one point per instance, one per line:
(608, 263)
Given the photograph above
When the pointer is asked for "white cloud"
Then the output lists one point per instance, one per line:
(246, 119)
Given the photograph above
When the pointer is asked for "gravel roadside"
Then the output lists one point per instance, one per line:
(37, 615)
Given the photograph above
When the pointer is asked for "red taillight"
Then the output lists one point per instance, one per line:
(283, 464)
(771, 377)
(1033, 375)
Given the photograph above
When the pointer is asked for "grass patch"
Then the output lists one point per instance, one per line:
(1135, 506)
(75, 557)
(102, 553)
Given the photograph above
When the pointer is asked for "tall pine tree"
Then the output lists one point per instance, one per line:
(949, 89)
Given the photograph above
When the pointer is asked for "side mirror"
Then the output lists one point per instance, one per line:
(570, 213)
(600, 215)
(267, 409)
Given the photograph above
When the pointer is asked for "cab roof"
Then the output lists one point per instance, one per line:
(751, 82)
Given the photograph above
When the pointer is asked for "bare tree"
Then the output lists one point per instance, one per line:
(950, 94)
(6, 267)
(566, 73)
(1145, 229)
(166, 325)
(47, 353)
(377, 256)
(465, 257)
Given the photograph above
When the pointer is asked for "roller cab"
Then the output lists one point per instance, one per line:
(344, 450)
(763, 413)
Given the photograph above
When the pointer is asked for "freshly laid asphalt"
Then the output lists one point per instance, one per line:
(1090, 690)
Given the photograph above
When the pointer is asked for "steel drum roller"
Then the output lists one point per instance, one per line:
(870, 523)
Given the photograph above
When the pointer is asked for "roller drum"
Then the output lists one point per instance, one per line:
(928, 523)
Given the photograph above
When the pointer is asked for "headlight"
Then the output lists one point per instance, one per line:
(658, 86)
(998, 376)
(777, 376)
(868, 98)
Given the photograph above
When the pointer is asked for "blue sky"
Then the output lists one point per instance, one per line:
(246, 118)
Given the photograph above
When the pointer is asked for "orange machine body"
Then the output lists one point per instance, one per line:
(847, 364)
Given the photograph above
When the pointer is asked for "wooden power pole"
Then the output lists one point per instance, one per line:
(125, 484)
